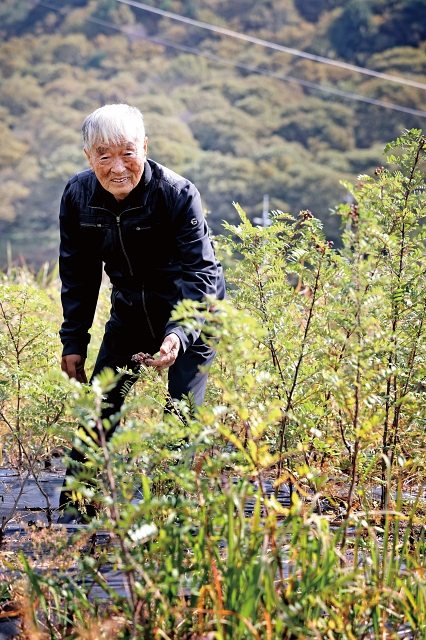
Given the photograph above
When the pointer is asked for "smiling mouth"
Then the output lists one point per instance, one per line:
(119, 180)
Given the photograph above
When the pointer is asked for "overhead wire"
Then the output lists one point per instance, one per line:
(274, 45)
(129, 31)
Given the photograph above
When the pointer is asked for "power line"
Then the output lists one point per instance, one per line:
(273, 45)
(235, 63)
(303, 83)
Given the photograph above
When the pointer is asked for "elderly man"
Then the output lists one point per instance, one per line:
(146, 224)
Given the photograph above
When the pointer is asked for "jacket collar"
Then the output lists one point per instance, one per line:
(102, 199)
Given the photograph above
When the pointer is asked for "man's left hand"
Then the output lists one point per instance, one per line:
(168, 353)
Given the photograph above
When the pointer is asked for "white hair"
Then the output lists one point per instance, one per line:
(113, 124)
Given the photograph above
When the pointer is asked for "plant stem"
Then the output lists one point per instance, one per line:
(389, 439)
(263, 308)
(297, 368)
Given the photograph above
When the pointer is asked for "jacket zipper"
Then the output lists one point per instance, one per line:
(117, 218)
(122, 244)
(146, 312)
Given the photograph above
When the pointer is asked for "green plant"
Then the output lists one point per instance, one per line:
(32, 406)
(317, 389)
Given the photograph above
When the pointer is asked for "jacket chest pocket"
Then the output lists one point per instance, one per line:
(143, 239)
(95, 233)
(147, 243)
(93, 225)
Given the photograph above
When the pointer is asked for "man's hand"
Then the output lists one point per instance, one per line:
(73, 365)
(168, 353)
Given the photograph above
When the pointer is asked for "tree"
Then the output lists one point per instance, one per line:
(352, 32)
(318, 123)
(228, 131)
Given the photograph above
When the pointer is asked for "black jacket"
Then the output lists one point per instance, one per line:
(155, 245)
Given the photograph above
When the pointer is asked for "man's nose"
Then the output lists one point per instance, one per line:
(117, 165)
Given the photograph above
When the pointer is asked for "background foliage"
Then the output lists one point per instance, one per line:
(236, 134)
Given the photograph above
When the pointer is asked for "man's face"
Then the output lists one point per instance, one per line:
(118, 168)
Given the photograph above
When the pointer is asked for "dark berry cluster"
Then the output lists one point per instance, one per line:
(306, 215)
(354, 212)
(141, 358)
(379, 170)
(322, 247)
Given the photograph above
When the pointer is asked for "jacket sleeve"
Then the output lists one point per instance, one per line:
(80, 269)
(201, 271)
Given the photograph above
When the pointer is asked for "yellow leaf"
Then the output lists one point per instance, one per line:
(276, 506)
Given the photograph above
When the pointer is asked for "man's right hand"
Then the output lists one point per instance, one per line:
(73, 365)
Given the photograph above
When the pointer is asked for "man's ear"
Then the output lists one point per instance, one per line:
(145, 145)
(89, 158)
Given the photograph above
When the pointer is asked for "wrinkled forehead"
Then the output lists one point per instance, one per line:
(105, 146)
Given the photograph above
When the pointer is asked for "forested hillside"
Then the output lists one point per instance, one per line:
(237, 134)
